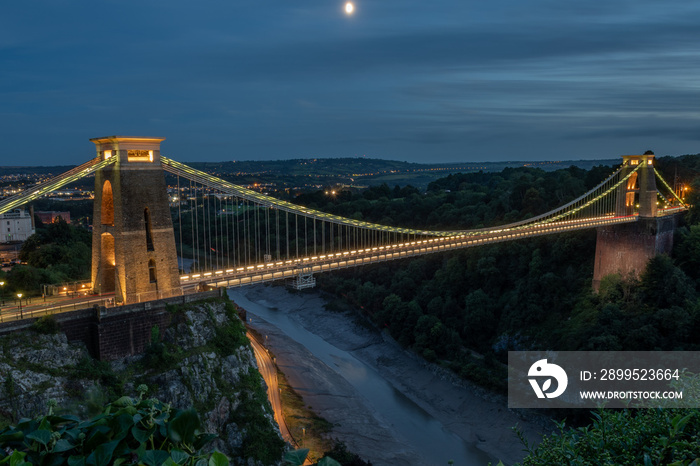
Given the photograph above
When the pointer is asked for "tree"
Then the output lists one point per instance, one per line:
(665, 285)
(55, 254)
(687, 251)
(480, 322)
(693, 200)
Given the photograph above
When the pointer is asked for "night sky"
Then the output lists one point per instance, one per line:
(433, 81)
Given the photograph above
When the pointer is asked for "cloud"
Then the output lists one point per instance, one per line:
(397, 77)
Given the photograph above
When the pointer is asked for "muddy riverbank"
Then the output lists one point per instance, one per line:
(422, 416)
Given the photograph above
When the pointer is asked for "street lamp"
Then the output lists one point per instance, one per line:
(2, 287)
(21, 315)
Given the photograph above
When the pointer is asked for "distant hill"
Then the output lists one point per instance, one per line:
(331, 166)
(362, 166)
(361, 171)
(41, 170)
(300, 174)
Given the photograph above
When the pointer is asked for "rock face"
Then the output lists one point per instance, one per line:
(203, 359)
(35, 368)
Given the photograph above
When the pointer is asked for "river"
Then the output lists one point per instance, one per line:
(421, 431)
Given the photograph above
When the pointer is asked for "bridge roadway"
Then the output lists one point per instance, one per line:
(279, 270)
(38, 307)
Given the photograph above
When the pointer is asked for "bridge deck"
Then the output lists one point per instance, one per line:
(279, 270)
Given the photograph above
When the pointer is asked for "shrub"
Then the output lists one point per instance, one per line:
(128, 431)
(47, 325)
(89, 368)
(626, 437)
(157, 354)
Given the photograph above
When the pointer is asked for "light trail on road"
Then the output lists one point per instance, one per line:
(268, 370)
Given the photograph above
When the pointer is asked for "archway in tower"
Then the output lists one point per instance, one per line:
(107, 207)
(108, 264)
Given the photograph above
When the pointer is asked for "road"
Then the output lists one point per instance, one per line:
(269, 372)
(38, 307)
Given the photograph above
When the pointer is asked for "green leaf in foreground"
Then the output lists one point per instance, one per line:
(296, 457)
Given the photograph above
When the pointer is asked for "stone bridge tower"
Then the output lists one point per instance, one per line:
(625, 249)
(638, 193)
(133, 243)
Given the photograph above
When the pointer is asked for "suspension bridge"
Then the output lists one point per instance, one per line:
(149, 243)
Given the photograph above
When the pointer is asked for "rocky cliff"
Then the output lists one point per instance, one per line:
(202, 359)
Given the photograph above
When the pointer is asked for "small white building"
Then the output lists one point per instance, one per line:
(16, 226)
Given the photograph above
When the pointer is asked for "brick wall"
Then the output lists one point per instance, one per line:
(128, 333)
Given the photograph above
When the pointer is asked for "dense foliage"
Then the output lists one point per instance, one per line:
(128, 431)
(624, 438)
(56, 253)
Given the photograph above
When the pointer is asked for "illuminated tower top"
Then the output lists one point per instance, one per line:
(647, 159)
(129, 148)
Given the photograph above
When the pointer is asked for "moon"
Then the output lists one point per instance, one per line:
(349, 8)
